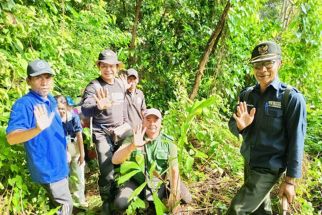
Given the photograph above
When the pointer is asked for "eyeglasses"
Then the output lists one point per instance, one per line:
(268, 64)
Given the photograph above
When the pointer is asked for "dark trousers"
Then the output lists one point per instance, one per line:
(254, 196)
(105, 148)
(59, 195)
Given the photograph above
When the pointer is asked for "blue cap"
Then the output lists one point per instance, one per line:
(70, 101)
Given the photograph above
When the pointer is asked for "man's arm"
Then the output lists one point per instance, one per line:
(43, 121)
(80, 144)
(296, 129)
(123, 153)
(174, 176)
(89, 105)
(129, 146)
(21, 136)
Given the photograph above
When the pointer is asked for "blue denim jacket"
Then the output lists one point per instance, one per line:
(275, 139)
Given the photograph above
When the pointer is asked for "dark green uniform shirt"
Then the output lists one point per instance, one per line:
(161, 150)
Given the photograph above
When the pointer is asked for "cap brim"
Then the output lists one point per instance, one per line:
(132, 75)
(108, 62)
(265, 58)
(159, 117)
(42, 72)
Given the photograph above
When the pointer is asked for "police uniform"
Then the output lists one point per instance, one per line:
(272, 143)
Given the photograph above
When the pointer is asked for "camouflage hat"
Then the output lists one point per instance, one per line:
(109, 57)
(132, 72)
(39, 67)
(264, 51)
(152, 111)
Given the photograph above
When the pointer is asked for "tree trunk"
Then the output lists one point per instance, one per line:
(132, 59)
(213, 40)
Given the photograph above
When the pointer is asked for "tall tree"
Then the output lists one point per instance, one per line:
(132, 59)
(211, 45)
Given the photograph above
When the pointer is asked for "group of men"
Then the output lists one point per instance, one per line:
(273, 132)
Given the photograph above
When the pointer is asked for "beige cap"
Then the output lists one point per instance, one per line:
(153, 111)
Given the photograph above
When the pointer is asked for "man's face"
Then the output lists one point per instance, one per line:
(133, 81)
(41, 84)
(266, 71)
(108, 71)
(153, 125)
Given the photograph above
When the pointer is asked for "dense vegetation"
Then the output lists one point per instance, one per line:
(165, 40)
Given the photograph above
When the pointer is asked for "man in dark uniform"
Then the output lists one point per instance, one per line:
(134, 99)
(103, 100)
(271, 117)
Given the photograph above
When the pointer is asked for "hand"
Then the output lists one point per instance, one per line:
(138, 136)
(43, 121)
(242, 117)
(102, 99)
(123, 78)
(287, 190)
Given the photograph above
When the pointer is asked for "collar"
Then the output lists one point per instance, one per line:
(276, 84)
(129, 92)
(37, 96)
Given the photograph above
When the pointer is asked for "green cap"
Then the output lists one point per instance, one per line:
(264, 51)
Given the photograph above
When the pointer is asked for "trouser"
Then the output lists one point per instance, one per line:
(60, 196)
(254, 196)
(105, 148)
(125, 191)
(76, 175)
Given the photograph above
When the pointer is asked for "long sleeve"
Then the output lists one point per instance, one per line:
(296, 130)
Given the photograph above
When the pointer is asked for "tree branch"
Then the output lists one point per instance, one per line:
(131, 60)
(212, 42)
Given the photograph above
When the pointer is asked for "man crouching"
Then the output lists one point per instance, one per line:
(157, 148)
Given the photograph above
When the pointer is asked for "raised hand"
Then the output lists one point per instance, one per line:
(138, 135)
(123, 78)
(242, 117)
(43, 121)
(102, 99)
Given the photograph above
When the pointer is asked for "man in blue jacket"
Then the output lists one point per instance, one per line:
(35, 121)
(271, 117)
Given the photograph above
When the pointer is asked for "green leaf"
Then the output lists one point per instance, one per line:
(140, 161)
(127, 166)
(160, 208)
(137, 191)
(189, 162)
(127, 176)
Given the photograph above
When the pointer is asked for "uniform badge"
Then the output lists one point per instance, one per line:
(275, 104)
(263, 49)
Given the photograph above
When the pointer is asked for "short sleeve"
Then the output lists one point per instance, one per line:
(20, 117)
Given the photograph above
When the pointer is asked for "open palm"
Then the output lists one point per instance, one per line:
(242, 117)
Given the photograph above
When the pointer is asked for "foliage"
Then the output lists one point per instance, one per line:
(129, 169)
(171, 39)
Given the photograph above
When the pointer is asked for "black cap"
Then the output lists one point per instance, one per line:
(109, 57)
(264, 51)
(39, 67)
